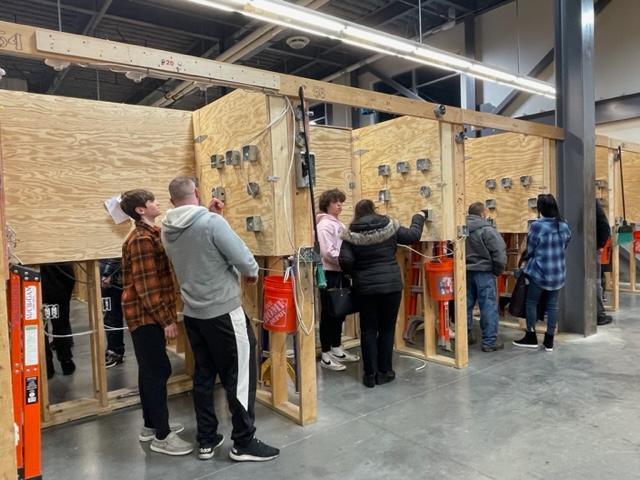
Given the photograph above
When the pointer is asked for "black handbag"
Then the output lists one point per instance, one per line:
(339, 301)
(517, 304)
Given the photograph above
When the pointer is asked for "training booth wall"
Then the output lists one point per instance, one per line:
(61, 159)
(406, 165)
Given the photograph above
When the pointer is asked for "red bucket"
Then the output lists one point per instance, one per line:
(279, 310)
(440, 275)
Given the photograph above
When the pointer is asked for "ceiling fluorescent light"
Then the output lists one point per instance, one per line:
(535, 84)
(379, 39)
(443, 58)
(286, 24)
(225, 5)
(369, 47)
(493, 73)
(297, 14)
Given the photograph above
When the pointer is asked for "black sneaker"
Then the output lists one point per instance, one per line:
(382, 378)
(113, 360)
(369, 381)
(256, 451)
(548, 342)
(605, 320)
(68, 367)
(530, 340)
(206, 451)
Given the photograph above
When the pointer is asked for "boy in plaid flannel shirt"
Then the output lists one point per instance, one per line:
(149, 308)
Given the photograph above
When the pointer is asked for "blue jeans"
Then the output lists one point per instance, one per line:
(534, 294)
(481, 287)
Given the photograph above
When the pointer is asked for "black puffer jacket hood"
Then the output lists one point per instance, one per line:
(368, 252)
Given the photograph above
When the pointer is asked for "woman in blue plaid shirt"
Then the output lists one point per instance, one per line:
(545, 270)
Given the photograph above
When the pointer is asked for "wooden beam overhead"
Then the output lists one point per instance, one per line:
(33, 42)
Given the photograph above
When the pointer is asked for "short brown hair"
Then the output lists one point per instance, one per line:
(133, 199)
(477, 209)
(330, 196)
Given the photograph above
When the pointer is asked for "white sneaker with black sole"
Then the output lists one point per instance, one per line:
(205, 451)
(329, 363)
(172, 445)
(344, 357)
(148, 434)
(256, 451)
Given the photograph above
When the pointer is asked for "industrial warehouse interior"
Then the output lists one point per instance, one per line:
(319, 239)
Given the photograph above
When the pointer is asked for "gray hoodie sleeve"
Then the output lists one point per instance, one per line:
(497, 249)
(232, 247)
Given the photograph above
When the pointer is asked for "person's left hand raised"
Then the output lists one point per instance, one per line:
(216, 206)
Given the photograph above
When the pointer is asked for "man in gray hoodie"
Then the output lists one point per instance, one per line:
(208, 259)
(486, 255)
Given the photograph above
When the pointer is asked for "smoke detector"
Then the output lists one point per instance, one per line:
(298, 42)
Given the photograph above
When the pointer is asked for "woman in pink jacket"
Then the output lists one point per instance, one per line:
(329, 230)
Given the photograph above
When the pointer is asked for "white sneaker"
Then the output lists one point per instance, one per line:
(148, 434)
(330, 364)
(172, 445)
(346, 357)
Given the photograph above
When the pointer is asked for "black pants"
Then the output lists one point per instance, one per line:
(378, 315)
(224, 346)
(331, 327)
(57, 288)
(154, 369)
(113, 318)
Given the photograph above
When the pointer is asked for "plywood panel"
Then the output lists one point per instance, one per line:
(63, 157)
(334, 165)
(229, 123)
(508, 155)
(402, 139)
(631, 172)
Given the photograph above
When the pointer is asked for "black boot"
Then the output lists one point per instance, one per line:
(68, 367)
(548, 342)
(386, 377)
(530, 340)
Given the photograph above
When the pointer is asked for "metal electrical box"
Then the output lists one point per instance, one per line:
(254, 223)
(303, 172)
(526, 180)
(250, 153)
(384, 170)
(217, 161)
(490, 183)
(384, 196)
(491, 204)
(532, 202)
(253, 189)
(425, 191)
(218, 192)
(232, 158)
(402, 167)
(505, 182)
(423, 164)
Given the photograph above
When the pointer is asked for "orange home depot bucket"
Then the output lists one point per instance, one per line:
(440, 275)
(279, 308)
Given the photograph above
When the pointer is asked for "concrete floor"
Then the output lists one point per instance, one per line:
(570, 414)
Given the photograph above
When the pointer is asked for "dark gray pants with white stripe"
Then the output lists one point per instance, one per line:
(224, 346)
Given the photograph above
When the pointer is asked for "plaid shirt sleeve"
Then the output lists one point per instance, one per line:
(146, 281)
(533, 239)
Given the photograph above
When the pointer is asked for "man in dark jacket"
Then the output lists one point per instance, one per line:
(486, 255)
(603, 233)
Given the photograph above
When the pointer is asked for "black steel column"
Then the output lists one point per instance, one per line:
(575, 112)
(468, 83)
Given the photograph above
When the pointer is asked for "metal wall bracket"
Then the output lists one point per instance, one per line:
(463, 231)
(425, 191)
(491, 204)
(384, 196)
(505, 182)
(302, 174)
(439, 110)
(602, 184)
(253, 189)
(428, 215)
(533, 202)
(308, 255)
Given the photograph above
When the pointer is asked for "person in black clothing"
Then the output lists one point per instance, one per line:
(111, 286)
(58, 280)
(603, 233)
(368, 255)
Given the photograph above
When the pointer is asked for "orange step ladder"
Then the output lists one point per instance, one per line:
(25, 321)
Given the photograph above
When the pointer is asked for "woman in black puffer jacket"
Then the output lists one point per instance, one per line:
(368, 255)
